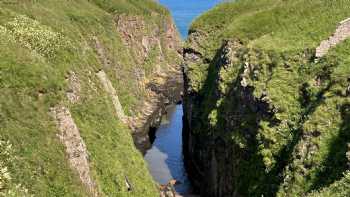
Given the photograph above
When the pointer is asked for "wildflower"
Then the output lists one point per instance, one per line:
(7, 187)
(35, 36)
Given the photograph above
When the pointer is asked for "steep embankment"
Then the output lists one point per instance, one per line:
(267, 99)
(76, 79)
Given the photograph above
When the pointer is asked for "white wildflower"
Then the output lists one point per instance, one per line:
(7, 187)
(35, 36)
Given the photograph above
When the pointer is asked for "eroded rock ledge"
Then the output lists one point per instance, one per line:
(76, 150)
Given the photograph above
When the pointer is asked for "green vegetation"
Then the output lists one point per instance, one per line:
(259, 88)
(281, 25)
(41, 43)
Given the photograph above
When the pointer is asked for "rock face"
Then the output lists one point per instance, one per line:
(163, 84)
(132, 29)
(260, 120)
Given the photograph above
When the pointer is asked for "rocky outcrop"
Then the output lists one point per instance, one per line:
(341, 33)
(172, 38)
(132, 30)
(108, 87)
(168, 190)
(162, 85)
(162, 91)
(74, 88)
(76, 150)
(101, 52)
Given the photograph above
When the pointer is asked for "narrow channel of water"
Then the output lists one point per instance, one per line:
(165, 160)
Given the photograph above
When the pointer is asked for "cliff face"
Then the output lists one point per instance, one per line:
(264, 113)
(77, 80)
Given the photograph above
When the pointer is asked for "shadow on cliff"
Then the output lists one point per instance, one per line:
(231, 145)
(337, 160)
(285, 156)
(233, 136)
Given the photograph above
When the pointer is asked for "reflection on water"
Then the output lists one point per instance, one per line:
(165, 159)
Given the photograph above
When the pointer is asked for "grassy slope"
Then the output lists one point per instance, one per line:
(279, 38)
(278, 25)
(40, 43)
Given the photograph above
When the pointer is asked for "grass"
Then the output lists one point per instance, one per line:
(287, 128)
(272, 25)
(40, 43)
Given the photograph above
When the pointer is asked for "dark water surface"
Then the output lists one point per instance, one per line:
(185, 11)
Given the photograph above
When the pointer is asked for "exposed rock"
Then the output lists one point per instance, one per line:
(163, 84)
(172, 38)
(168, 190)
(141, 78)
(341, 33)
(76, 150)
(132, 30)
(128, 184)
(108, 87)
(161, 90)
(101, 52)
(74, 88)
(192, 55)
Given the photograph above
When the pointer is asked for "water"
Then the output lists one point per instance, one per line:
(185, 11)
(165, 159)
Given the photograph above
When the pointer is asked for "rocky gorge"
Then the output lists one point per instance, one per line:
(264, 87)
